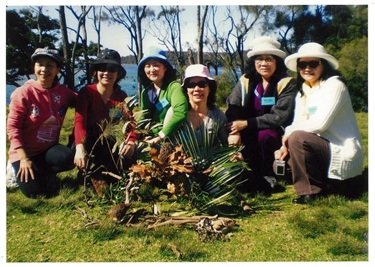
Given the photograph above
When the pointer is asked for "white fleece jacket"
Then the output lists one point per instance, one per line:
(327, 111)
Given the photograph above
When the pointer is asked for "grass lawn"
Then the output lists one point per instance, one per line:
(66, 229)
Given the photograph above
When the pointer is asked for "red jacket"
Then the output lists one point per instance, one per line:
(35, 117)
(91, 111)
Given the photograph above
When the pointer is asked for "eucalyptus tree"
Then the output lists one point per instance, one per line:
(342, 29)
(131, 18)
(97, 17)
(201, 19)
(212, 40)
(26, 30)
(237, 28)
(166, 28)
(79, 55)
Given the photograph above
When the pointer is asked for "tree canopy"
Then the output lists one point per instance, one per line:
(342, 29)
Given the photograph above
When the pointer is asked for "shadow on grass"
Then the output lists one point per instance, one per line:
(351, 188)
(72, 183)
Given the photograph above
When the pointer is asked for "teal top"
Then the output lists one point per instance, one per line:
(171, 97)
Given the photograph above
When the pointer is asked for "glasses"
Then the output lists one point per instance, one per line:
(200, 84)
(108, 67)
(258, 60)
(312, 64)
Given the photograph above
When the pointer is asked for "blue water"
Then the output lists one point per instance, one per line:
(129, 84)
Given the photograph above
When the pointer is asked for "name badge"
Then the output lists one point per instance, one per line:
(312, 110)
(162, 104)
(268, 101)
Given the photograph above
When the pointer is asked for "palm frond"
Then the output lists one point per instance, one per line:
(216, 160)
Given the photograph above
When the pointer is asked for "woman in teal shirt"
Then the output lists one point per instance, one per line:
(162, 94)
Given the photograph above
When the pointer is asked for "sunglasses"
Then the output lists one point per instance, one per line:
(312, 64)
(200, 84)
(108, 67)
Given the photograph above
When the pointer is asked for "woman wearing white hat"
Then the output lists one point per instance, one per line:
(259, 107)
(323, 142)
(203, 115)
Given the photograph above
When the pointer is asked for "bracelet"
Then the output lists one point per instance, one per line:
(24, 160)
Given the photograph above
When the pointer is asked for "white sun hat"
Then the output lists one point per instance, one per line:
(266, 45)
(310, 50)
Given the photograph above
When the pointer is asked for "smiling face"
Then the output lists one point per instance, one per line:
(107, 74)
(310, 69)
(198, 90)
(265, 65)
(155, 71)
(45, 69)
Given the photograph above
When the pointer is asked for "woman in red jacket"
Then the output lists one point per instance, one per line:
(36, 113)
(95, 105)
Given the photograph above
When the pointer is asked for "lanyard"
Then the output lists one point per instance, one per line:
(260, 87)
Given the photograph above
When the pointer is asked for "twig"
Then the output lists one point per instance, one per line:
(176, 250)
(172, 221)
(214, 217)
(127, 193)
(81, 211)
(118, 177)
(90, 223)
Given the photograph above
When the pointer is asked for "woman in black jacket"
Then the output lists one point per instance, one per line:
(260, 107)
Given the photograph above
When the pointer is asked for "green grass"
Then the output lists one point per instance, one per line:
(66, 229)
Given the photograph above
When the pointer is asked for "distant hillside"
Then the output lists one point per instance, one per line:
(209, 58)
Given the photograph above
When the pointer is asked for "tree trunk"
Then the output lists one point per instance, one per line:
(201, 22)
(69, 77)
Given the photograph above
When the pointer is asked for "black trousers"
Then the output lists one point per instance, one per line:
(46, 165)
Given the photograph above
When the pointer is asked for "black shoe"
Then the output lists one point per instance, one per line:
(271, 180)
(304, 199)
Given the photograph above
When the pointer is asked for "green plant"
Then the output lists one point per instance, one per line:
(216, 171)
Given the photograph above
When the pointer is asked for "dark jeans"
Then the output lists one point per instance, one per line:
(46, 165)
(104, 159)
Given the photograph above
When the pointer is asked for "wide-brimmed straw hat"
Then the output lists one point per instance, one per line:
(47, 52)
(110, 56)
(197, 70)
(310, 50)
(266, 45)
(154, 53)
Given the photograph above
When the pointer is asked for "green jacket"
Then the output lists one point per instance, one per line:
(171, 96)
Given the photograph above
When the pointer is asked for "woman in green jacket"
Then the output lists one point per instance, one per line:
(162, 94)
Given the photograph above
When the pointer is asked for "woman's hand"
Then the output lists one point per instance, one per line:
(80, 157)
(235, 127)
(234, 139)
(283, 152)
(153, 141)
(26, 170)
(127, 150)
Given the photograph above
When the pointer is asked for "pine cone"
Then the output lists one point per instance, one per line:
(99, 185)
(166, 150)
(118, 212)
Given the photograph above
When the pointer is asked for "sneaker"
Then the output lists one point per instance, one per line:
(11, 179)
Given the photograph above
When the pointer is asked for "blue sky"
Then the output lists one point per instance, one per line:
(116, 36)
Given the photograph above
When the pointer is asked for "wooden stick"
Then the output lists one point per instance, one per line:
(171, 221)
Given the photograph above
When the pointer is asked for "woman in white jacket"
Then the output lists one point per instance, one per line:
(324, 141)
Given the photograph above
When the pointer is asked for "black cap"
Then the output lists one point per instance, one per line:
(47, 52)
(110, 56)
